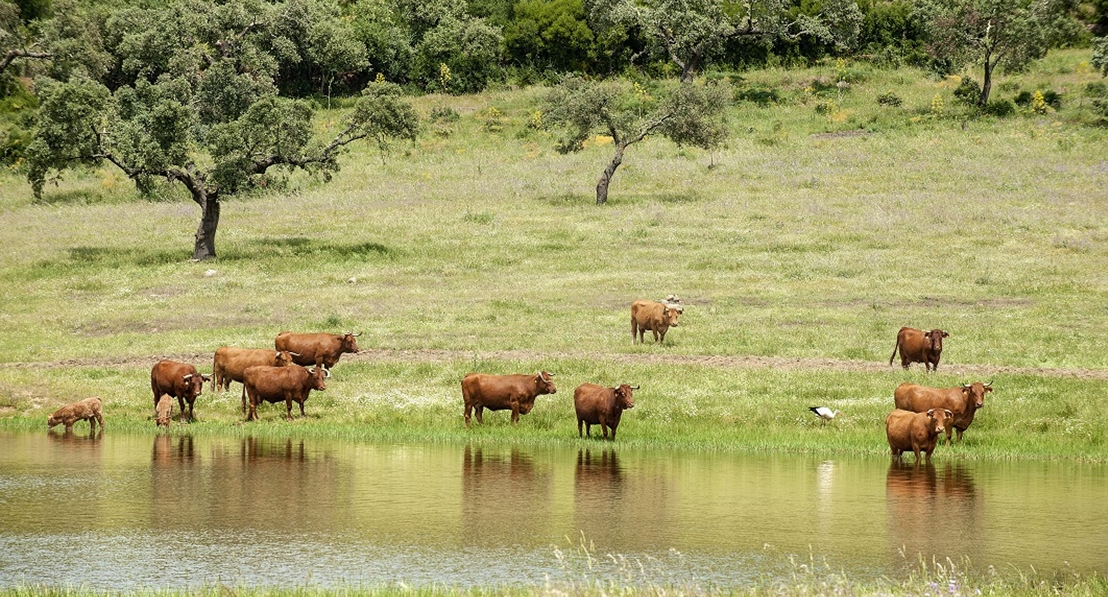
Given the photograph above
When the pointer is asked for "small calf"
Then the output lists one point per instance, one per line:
(85, 410)
(164, 411)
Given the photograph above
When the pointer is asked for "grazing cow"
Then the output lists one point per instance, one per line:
(598, 405)
(917, 432)
(653, 316)
(499, 392)
(163, 411)
(85, 410)
(963, 401)
(918, 346)
(310, 349)
(229, 363)
(274, 384)
(179, 380)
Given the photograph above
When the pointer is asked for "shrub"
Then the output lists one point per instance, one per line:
(1000, 108)
(1096, 89)
(1026, 99)
(968, 92)
(762, 96)
(444, 114)
(889, 99)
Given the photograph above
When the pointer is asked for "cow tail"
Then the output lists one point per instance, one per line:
(895, 348)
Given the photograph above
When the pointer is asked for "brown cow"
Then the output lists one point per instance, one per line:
(962, 401)
(499, 392)
(917, 432)
(163, 411)
(310, 349)
(654, 316)
(918, 346)
(179, 380)
(274, 384)
(598, 405)
(229, 363)
(84, 410)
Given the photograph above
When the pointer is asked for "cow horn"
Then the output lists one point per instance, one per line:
(634, 387)
(988, 384)
(295, 354)
(187, 377)
(966, 386)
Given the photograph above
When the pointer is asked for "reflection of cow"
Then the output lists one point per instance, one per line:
(500, 392)
(598, 405)
(82, 410)
(962, 401)
(495, 478)
(230, 363)
(179, 380)
(917, 432)
(918, 346)
(599, 474)
(654, 317)
(315, 348)
(917, 496)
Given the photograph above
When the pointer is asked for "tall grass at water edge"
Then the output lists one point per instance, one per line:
(798, 250)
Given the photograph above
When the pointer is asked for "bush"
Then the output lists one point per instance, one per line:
(762, 96)
(1050, 97)
(1000, 108)
(968, 92)
(1096, 89)
(889, 99)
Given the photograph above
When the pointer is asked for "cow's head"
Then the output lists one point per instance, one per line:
(51, 421)
(623, 396)
(974, 393)
(545, 383)
(194, 384)
(939, 418)
(935, 340)
(283, 358)
(670, 313)
(349, 342)
(319, 374)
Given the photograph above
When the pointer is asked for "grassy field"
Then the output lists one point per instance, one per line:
(827, 223)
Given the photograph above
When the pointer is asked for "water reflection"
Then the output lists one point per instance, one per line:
(928, 513)
(471, 516)
(505, 497)
(89, 439)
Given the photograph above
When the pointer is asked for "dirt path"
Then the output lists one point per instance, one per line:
(725, 362)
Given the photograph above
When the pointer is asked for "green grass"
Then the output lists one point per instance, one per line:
(799, 250)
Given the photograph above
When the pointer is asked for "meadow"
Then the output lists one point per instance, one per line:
(827, 222)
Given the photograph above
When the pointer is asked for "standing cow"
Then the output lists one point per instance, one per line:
(323, 348)
(230, 363)
(598, 405)
(274, 384)
(653, 316)
(88, 409)
(499, 392)
(962, 401)
(917, 432)
(918, 346)
(179, 380)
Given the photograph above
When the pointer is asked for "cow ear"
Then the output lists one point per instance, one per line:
(949, 414)
(931, 413)
(206, 377)
(946, 335)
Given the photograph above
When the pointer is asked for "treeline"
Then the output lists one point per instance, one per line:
(323, 47)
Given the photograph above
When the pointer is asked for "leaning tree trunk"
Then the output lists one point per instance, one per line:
(606, 178)
(209, 220)
(986, 83)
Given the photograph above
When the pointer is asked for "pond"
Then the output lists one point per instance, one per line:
(122, 512)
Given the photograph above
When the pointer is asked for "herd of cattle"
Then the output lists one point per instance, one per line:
(300, 363)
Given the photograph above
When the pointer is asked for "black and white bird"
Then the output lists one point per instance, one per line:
(824, 413)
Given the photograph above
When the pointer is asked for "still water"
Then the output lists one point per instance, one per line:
(119, 512)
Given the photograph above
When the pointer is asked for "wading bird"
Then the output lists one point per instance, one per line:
(824, 413)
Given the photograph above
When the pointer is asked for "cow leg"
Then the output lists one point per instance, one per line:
(288, 409)
(960, 432)
(301, 403)
(192, 417)
(515, 412)
(181, 405)
(466, 414)
(579, 427)
(948, 432)
(480, 411)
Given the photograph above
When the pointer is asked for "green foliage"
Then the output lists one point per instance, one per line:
(1100, 55)
(1000, 108)
(758, 94)
(889, 99)
(469, 47)
(967, 92)
(550, 35)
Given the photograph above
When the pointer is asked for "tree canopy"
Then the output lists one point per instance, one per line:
(200, 105)
(994, 33)
(628, 112)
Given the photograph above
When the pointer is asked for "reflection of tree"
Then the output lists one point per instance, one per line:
(505, 497)
(928, 512)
